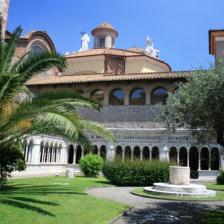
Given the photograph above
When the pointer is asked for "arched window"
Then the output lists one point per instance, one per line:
(127, 153)
(183, 156)
(98, 95)
(117, 97)
(37, 49)
(159, 95)
(146, 153)
(155, 153)
(119, 152)
(137, 152)
(137, 97)
(173, 155)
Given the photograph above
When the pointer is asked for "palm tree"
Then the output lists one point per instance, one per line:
(46, 113)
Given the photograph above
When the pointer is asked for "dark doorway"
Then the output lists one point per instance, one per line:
(193, 162)
(78, 154)
(70, 154)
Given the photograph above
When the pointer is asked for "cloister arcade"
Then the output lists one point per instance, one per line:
(135, 96)
(198, 158)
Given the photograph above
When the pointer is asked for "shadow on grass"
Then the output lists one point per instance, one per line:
(39, 190)
(18, 204)
(21, 196)
(175, 213)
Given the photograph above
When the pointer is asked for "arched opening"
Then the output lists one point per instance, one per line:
(127, 153)
(78, 154)
(159, 95)
(155, 153)
(193, 159)
(98, 95)
(215, 159)
(173, 155)
(137, 97)
(46, 152)
(146, 153)
(41, 152)
(137, 153)
(70, 154)
(103, 152)
(117, 97)
(118, 152)
(204, 158)
(94, 150)
(183, 157)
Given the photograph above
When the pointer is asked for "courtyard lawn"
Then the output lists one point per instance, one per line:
(56, 200)
(214, 186)
(140, 191)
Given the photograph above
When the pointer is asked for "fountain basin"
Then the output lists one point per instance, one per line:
(190, 190)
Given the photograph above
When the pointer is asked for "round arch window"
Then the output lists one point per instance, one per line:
(159, 95)
(37, 49)
(117, 97)
(98, 95)
(137, 97)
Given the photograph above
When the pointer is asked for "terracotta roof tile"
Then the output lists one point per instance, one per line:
(99, 77)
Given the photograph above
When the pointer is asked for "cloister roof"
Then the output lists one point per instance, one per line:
(101, 77)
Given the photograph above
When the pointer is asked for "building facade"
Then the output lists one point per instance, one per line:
(128, 83)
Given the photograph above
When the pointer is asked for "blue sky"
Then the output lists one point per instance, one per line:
(179, 28)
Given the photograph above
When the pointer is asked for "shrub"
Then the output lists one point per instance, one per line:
(136, 173)
(220, 178)
(91, 165)
(11, 159)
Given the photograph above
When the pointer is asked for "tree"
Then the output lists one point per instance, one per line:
(11, 159)
(54, 113)
(198, 104)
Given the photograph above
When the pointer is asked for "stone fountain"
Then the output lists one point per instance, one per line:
(179, 185)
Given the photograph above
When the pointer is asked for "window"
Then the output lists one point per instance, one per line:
(37, 49)
(98, 95)
(137, 97)
(159, 95)
(101, 42)
(117, 97)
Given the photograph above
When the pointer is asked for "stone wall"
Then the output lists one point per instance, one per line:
(110, 114)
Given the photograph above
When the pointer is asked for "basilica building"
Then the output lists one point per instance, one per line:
(128, 83)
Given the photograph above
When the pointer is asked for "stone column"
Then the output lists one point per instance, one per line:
(132, 153)
(178, 157)
(188, 152)
(126, 97)
(199, 159)
(74, 156)
(35, 157)
(141, 154)
(82, 152)
(110, 155)
(123, 154)
(209, 158)
(150, 154)
(164, 152)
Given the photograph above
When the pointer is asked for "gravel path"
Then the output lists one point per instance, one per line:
(154, 211)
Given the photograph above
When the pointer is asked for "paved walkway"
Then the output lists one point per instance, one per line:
(153, 211)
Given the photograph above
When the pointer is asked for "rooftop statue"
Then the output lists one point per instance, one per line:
(85, 40)
(150, 50)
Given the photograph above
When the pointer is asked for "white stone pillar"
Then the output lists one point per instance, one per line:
(110, 155)
(132, 153)
(150, 154)
(199, 159)
(123, 154)
(209, 158)
(126, 97)
(164, 153)
(74, 155)
(141, 154)
(188, 153)
(35, 159)
(178, 157)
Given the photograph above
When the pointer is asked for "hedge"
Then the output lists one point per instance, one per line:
(136, 173)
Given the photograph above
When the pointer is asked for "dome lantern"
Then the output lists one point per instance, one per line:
(104, 36)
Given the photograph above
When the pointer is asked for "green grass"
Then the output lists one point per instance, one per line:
(55, 200)
(217, 187)
(140, 191)
(212, 217)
